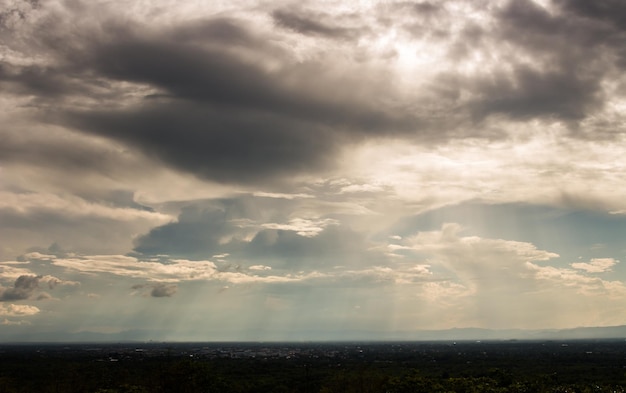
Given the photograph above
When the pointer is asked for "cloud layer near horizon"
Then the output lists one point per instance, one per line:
(318, 161)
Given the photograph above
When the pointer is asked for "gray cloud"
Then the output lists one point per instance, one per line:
(335, 245)
(530, 93)
(223, 145)
(312, 25)
(607, 11)
(229, 100)
(227, 119)
(44, 296)
(23, 288)
(158, 289)
(212, 111)
(217, 31)
(16, 13)
(63, 151)
(204, 226)
(238, 227)
(424, 7)
(551, 65)
(224, 99)
(197, 232)
(34, 79)
(422, 20)
(72, 223)
(163, 290)
(570, 63)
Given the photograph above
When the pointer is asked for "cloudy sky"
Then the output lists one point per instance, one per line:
(277, 169)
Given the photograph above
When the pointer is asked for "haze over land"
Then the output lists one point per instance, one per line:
(195, 169)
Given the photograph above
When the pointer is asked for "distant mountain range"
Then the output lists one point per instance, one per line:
(607, 332)
(456, 334)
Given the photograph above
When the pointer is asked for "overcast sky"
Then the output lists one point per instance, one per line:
(277, 169)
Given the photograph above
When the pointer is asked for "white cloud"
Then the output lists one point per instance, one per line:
(260, 267)
(242, 278)
(445, 279)
(596, 265)
(176, 270)
(475, 281)
(17, 310)
(38, 255)
(70, 205)
(170, 271)
(362, 188)
(9, 272)
(52, 282)
(303, 226)
(281, 195)
(582, 284)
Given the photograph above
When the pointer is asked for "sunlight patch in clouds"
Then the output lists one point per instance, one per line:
(541, 168)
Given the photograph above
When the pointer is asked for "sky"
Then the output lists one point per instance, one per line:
(276, 169)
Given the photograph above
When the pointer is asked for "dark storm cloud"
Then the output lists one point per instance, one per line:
(226, 145)
(609, 11)
(216, 78)
(571, 56)
(552, 64)
(530, 93)
(34, 79)
(224, 118)
(188, 72)
(560, 36)
(23, 288)
(608, 19)
(229, 102)
(312, 25)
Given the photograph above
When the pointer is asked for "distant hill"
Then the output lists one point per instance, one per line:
(522, 334)
(455, 334)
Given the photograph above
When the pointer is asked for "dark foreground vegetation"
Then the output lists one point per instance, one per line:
(580, 366)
